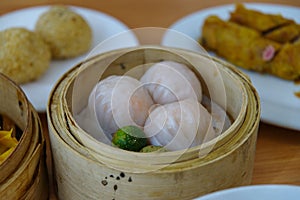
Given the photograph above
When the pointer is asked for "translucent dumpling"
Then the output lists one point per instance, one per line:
(170, 81)
(115, 102)
(179, 125)
(221, 121)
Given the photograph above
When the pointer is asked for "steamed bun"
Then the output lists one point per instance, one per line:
(170, 81)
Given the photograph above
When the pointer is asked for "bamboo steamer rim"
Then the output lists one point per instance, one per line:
(244, 79)
(66, 91)
(173, 153)
(80, 156)
(22, 165)
(12, 161)
(69, 163)
(17, 183)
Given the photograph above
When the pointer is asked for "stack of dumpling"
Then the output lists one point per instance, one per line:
(165, 103)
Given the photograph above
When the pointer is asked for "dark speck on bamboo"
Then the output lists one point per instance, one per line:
(122, 175)
(104, 182)
(115, 187)
(130, 179)
(122, 66)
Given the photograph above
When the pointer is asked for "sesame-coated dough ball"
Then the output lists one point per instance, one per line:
(66, 32)
(24, 56)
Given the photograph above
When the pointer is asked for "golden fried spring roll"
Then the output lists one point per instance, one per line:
(254, 19)
(284, 34)
(286, 64)
(238, 44)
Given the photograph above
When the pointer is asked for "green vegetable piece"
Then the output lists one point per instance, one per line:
(152, 148)
(130, 138)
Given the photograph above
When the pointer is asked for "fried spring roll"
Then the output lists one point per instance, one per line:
(238, 44)
(254, 19)
(284, 34)
(286, 64)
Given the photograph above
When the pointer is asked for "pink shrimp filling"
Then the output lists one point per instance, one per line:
(268, 53)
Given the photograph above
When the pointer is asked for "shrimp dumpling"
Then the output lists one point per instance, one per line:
(221, 121)
(118, 101)
(179, 125)
(169, 81)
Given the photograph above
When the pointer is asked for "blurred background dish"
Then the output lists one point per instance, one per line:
(103, 27)
(280, 105)
(265, 192)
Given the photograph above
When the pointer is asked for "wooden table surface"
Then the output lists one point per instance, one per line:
(277, 158)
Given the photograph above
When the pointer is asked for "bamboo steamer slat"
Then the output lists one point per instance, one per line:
(26, 163)
(111, 173)
(39, 188)
(12, 97)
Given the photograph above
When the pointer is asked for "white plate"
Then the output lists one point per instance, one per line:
(256, 192)
(103, 27)
(279, 104)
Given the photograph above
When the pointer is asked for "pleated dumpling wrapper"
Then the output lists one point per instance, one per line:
(115, 102)
(179, 125)
(169, 81)
(221, 121)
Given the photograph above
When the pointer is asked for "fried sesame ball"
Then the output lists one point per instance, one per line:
(24, 56)
(66, 32)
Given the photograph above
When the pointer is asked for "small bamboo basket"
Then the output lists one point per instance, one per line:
(88, 169)
(23, 173)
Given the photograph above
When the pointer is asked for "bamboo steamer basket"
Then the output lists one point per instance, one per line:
(88, 169)
(22, 173)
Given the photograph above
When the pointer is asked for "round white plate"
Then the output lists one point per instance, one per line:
(279, 104)
(256, 192)
(103, 27)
